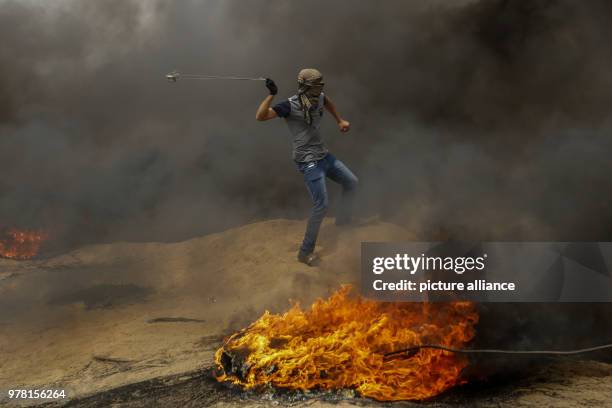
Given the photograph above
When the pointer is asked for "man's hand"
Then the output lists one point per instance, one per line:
(271, 86)
(344, 125)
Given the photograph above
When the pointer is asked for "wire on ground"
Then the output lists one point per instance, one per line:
(413, 350)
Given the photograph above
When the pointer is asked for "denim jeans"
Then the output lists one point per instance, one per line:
(314, 176)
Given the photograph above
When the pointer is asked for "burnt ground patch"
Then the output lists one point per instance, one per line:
(200, 389)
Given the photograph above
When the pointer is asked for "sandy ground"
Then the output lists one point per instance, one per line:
(85, 321)
(139, 315)
(565, 383)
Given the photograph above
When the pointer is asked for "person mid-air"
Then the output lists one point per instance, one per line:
(303, 113)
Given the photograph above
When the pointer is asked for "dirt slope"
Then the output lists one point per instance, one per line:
(136, 325)
(107, 315)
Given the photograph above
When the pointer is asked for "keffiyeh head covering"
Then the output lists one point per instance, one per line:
(310, 86)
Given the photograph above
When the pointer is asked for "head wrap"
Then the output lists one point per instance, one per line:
(310, 86)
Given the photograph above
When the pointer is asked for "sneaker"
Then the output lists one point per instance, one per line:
(308, 259)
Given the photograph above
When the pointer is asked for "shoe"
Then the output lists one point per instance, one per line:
(308, 259)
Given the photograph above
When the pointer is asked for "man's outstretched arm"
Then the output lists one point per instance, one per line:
(265, 112)
(344, 125)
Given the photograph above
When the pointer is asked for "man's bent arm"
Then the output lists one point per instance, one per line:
(331, 108)
(264, 112)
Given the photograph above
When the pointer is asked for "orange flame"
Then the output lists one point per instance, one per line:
(21, 244)
(340, 343)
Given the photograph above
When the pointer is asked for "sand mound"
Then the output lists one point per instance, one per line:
(142, 320)
(106, 315)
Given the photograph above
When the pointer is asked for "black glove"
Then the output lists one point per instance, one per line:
(271, 86)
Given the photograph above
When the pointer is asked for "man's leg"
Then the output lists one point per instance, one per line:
(341, 174)
(314, 177)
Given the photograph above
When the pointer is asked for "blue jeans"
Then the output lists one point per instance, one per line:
(314, 177)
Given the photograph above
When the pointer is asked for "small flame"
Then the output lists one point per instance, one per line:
(340, 343)
(21, 244)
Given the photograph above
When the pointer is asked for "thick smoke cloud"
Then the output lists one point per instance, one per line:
(478, 118)
(481, 119)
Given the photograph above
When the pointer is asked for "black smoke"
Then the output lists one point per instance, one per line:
(485, 118)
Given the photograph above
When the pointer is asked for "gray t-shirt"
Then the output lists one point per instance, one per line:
(307, 143)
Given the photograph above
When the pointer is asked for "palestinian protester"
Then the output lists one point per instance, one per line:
(303, 113)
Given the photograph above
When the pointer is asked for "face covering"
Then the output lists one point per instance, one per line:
(310, 86)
